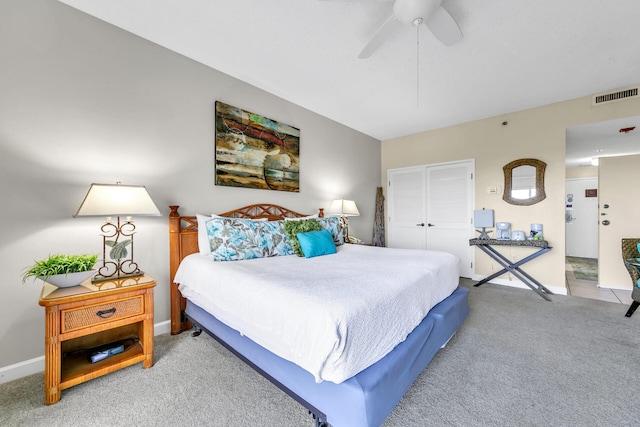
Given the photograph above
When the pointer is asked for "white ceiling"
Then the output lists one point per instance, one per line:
(602, 139)
(514, 55)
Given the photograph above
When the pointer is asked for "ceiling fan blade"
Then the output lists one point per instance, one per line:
(379, 37)
(444, 27)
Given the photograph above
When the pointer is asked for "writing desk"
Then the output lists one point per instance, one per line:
(487, 246)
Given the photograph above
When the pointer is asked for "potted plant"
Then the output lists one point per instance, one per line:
(63, 270)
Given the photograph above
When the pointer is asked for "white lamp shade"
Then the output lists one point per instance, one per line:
(117, 200)
(344, 207)
(483, 218)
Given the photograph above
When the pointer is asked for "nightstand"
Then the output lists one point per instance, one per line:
(82, 318)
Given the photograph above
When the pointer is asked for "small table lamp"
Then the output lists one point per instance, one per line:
(117, 200)
(344, 209)
(483, 219)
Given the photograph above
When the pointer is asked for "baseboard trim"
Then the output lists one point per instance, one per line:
(518, 284)
(21, 369)
(35, 365)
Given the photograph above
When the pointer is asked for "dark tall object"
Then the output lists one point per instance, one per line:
(378, 223)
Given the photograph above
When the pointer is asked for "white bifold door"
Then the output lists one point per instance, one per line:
(431, 207)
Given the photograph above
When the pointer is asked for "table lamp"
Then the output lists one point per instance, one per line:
(109, 200)
(344, 209)
(483, 219)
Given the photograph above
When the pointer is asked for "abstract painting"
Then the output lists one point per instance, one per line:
(253, 151)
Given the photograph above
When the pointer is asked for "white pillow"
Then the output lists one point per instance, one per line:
(203, 238)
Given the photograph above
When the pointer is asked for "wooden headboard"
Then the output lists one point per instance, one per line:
(183, 241)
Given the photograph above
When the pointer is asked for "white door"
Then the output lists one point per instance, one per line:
(407, 204)
(449, 211)
(581, 230)
(431, 207)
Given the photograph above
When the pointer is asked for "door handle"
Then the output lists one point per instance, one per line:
(606, 222)
(421, 224)
(431, 225)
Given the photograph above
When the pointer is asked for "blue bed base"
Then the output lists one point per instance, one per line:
(366, 399)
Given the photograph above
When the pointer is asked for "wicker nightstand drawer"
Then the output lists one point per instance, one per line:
(90, 316)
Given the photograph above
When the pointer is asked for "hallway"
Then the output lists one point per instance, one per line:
(588, 287)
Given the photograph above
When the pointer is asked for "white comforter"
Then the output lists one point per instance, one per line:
(333, 315)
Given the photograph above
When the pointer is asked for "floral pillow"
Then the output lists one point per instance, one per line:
(232, 239)
(332, 225)
(203, 239)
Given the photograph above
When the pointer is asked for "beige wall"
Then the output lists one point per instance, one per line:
(617, 186)
(582, 172)
(537, 133)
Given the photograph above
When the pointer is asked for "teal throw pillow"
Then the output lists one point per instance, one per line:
(316, 243)
(292, 228)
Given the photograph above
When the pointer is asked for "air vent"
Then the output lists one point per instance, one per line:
(618, 95)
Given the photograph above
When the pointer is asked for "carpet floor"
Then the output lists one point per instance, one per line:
(518, 360)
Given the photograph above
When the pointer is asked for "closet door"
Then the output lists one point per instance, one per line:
(430, 207)
(449, 201)
(406, 206)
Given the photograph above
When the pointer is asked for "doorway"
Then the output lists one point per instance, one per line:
(581, 236)
(585, 146)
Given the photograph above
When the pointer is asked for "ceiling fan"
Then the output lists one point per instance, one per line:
(414, 12)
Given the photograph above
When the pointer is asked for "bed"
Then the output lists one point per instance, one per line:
(348, 364)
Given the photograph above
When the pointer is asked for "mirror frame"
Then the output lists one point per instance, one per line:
(508, 170)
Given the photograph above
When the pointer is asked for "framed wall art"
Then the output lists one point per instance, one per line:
(253, 151)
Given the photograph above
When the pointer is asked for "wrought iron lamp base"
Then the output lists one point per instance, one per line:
(100, 278)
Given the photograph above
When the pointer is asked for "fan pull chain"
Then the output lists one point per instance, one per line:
(418, 66)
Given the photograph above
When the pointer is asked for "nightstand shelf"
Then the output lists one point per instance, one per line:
(77, 369)
(84, 317)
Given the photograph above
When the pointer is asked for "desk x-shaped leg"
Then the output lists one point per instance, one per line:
(514, 267)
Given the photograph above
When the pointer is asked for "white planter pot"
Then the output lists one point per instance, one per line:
(68, 280)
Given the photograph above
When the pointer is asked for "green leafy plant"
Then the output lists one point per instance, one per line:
(60, 264)
(292, 228)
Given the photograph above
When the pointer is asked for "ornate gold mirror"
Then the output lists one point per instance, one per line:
(524, 182)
